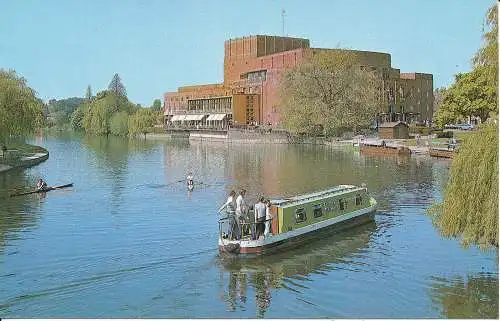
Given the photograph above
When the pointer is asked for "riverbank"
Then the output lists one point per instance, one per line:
(22, 156)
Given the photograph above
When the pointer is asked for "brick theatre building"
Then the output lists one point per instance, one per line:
(249, 94)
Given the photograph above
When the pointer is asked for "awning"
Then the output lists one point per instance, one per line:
(194, 117)
(177, 117)
(216, 116)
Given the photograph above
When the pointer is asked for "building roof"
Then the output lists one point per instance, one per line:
(392, 124)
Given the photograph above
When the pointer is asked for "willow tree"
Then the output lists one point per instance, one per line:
(21, 112)
(142, 122)
(329, 91)
(470, 206)
(97, 116)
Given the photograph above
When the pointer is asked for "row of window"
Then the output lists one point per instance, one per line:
(301, 215)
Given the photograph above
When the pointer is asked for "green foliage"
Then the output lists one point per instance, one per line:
(475, 93)
(157, 105)
(470, 207)
(470, 95)
(329, 91)
(143, 121)
(116, 86)
(21, 112)
(76, 121)
(119, 124)
(97, 117)
(60, 111)
(88, 93)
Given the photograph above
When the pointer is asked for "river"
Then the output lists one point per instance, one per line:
(128, 240)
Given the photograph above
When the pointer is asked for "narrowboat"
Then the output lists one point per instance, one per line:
(297, 220)
(383, 149)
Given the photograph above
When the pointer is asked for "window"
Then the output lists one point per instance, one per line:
(317, 211)
(359, 200)
(342, 204)
(300, 215)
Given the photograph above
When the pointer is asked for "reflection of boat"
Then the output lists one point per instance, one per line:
(268, 272)
(308, 258)
(441, 152)
(298, 219)
(375, 148)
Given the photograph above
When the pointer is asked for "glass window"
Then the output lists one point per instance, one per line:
(317, 211)
(300, 215)
(342, 204)
(359, 200)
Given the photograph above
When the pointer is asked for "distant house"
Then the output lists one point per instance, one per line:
(393, 130)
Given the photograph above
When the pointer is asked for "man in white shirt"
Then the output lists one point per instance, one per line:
(229, 206)
(260, 218)
(241, 210)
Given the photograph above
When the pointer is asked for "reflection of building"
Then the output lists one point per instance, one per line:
(250, 91)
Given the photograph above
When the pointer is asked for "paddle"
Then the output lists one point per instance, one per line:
(175, 182)
(44, 190)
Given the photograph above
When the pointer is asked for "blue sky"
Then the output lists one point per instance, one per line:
(61, 46)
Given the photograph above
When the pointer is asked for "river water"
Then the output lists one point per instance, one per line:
(128, 240)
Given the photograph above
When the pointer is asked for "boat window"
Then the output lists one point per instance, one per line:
(317, 211)
(300, 215)
(358, 199)
(342, 204)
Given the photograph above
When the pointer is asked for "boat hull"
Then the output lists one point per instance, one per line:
(296, 238)
(441, 153)
(384, 150)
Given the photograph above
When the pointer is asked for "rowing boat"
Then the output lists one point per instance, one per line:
(48, 189)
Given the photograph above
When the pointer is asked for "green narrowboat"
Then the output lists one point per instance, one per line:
(298, 219)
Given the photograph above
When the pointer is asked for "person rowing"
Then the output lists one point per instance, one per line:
(189, 179)
(41, 185)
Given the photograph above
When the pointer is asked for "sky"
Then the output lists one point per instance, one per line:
(155, 46)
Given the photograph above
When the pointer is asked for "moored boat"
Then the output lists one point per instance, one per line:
(301, 218)
(383, 149)
(441, 152)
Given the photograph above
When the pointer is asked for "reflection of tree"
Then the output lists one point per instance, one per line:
(270, 271)
(16, 213)
(475, 296)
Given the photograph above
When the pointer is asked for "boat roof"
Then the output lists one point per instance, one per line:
(290, 201)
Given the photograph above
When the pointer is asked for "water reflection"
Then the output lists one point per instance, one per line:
(290, 269)
(16, 213)
(473, 296)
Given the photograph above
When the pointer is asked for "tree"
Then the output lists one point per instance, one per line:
(88, 93)
(329, 91)
(157, 105)
(76, 121)
(470, 206)
(142, 121)
(97, 117)
(119, 124)
(62, 110)
(475, 93)
(21, 112)
(116, 86)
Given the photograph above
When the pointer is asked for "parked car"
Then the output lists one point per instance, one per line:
(465, 126)
(459, 126)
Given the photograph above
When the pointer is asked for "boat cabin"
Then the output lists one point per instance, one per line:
(301, 211)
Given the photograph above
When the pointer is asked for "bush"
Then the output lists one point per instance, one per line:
(442, 134)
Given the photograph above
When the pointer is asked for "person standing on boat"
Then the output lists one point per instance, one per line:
(260, 218)
(269, 218)
(230, 207)
(241, 210)
(41, 185)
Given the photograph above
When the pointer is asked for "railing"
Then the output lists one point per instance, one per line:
(243, 230)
